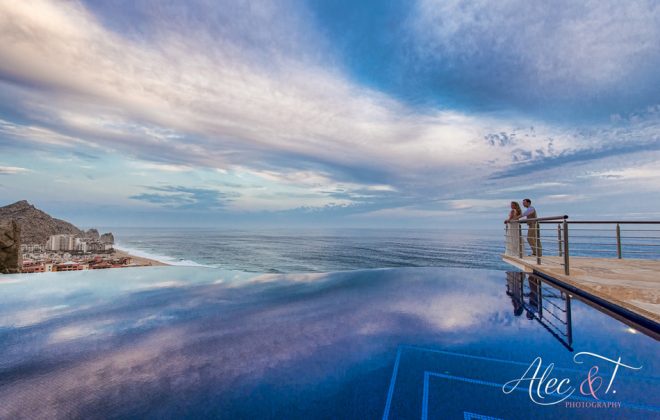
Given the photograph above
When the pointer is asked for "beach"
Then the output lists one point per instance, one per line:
(138, 261)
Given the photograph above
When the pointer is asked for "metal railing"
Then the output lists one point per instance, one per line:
(588, 238)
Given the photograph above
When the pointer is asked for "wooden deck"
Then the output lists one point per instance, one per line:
(630, 284)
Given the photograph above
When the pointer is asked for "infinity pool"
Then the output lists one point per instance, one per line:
(436, 343)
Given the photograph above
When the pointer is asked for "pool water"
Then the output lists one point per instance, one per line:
(196, 342)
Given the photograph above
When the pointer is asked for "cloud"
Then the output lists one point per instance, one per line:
(644, 175)
(258, 89)
(185, 197)
(528, 187)
(634, 134)
(406, 212)
(542, 163)
(563, 198)
(219, 107)
(481, 204)
(13, 170)
(538, 54)
(162, 167)
(36, 135)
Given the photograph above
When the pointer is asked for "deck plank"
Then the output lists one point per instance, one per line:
(628, 283)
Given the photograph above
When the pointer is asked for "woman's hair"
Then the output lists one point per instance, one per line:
(516, 206)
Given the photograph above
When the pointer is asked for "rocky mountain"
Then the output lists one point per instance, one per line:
(108, 238)
(36, 225)
(10, 243)
(92, 234)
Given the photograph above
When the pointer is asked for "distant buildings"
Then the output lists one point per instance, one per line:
(29, 247)
(32, 248)
(68, 252)
(74, 243)
(70, 266)
(35, 267)
(96, 262)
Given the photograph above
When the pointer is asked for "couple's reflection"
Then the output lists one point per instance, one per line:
(543, 302)
(514, 287)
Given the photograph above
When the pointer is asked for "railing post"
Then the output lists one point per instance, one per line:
(537, 242)
(569, 319)
(520, 240)
(539, 302)
(566, 262)
(618, 241)
(559, 239)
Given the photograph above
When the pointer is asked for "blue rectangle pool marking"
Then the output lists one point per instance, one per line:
(425, 397)
(395, 372)
(493, 359)
(428, 375)
(486, 358)
(473, 416)
(390, 392)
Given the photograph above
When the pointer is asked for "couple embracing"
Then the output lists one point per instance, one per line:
(513, 230)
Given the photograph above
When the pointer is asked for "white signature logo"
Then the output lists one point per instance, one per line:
(544, 389)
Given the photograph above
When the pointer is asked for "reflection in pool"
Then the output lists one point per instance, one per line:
(544, 302)
(173, 342)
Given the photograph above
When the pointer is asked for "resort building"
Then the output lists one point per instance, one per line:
(30, 266)
(61, 243)
(81, 245)
(25, 248)
(70, 266)
(67, 242)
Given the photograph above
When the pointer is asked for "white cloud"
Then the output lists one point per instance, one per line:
(643, 172)
(218, 107)
(381, 188)
(530, 187)
(557, 49)
(161, 167)
(562, 198)
(280, 202)
(40, 135)
(263, 96)
(477, 204)
(12, 170)
(405, 212)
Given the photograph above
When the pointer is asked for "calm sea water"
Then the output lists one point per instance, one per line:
(316, 250)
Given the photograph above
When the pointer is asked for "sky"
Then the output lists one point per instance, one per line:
(278, 113)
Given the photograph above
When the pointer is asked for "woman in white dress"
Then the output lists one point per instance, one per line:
(513, 229)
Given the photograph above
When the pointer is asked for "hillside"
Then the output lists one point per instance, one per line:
(36, 225)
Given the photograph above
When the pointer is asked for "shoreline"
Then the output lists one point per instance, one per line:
(137, 260)
(158, 259)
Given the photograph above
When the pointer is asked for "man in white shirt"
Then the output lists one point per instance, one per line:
(532, 227)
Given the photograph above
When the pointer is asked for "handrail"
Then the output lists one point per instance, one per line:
(538, 219)
(612, 222)
(558, 219)
(515, 243)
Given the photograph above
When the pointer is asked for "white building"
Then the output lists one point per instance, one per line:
(61, 243)
(81, 245)
(32, 248)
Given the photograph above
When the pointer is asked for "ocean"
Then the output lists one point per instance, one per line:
(315, 250)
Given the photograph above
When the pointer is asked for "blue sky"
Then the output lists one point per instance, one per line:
(333, 113)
